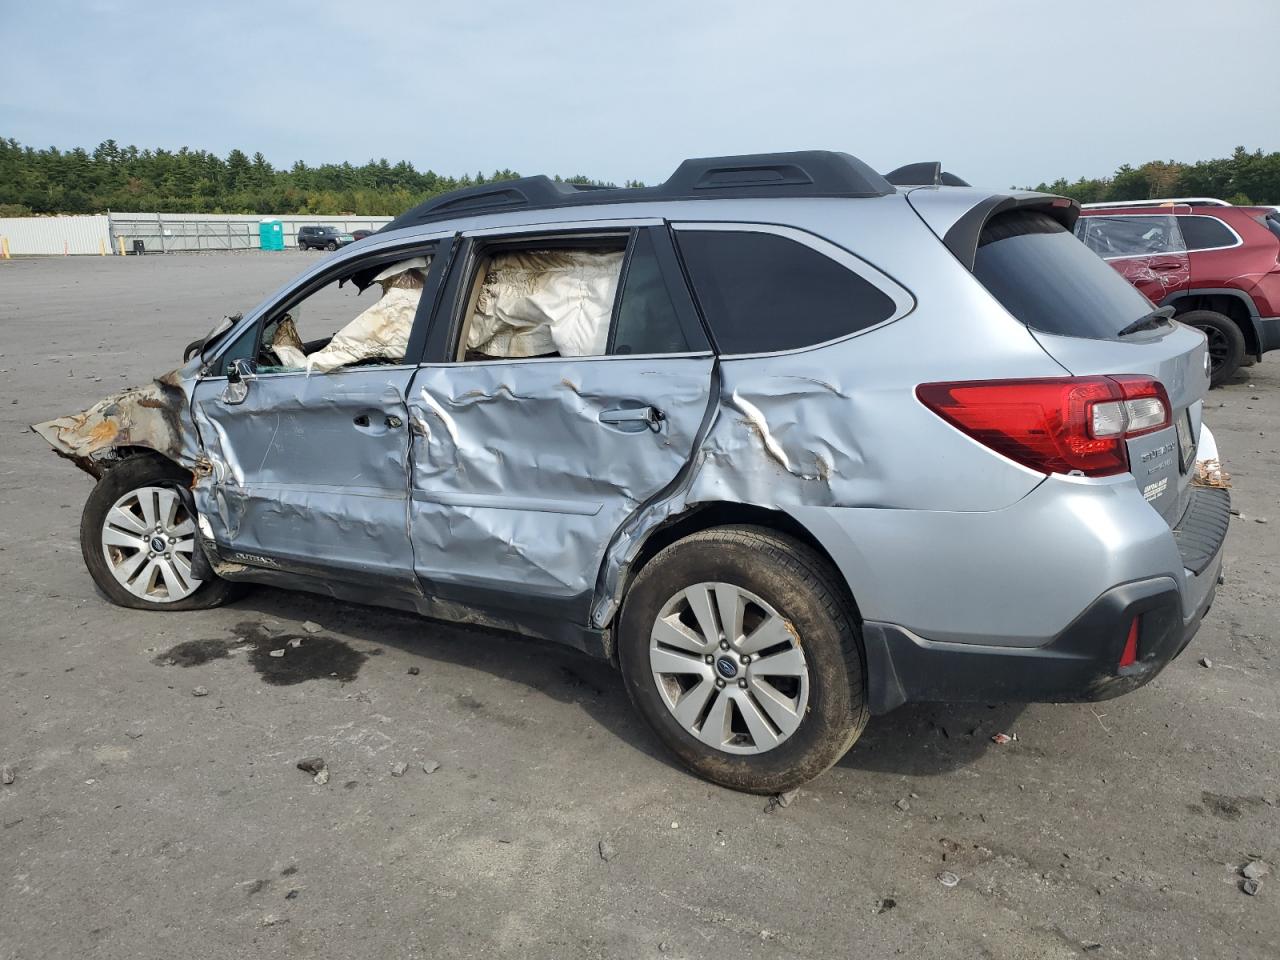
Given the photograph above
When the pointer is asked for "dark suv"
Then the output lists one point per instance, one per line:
(1217, 266)
(327, 238)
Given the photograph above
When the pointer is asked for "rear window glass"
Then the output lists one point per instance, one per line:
(1204, 233)
(761, 292)
(1051, 281)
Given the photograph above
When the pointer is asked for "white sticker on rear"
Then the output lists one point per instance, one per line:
(1153, 490)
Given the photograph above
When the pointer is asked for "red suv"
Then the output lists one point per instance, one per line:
(1217, 266)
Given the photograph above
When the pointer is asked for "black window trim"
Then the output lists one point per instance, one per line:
(312, 283)
(904, 302)
(678, 291)
(447, 324)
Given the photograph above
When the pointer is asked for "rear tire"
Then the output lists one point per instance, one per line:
(1226, 342)
(775, 713)
(132, 508)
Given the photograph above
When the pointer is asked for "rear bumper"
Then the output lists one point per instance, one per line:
(1079, 664)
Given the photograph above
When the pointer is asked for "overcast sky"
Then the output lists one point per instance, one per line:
(1004, 92)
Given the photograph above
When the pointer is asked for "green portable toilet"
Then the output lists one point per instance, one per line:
(271, 235)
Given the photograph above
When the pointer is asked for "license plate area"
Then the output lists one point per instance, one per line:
(1186, 443)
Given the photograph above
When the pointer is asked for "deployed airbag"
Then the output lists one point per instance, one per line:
(534, 303)
(381, 332)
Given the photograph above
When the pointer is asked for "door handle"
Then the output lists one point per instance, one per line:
(363, 421)
(1164, 265)
(633, 418)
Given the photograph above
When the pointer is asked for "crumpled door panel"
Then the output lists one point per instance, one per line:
(1156, 276)
(523, 471)
(310, 470)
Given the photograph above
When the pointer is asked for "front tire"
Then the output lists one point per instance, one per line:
(740, 648)
(1226, 343)
(331, 246)
(137, 539)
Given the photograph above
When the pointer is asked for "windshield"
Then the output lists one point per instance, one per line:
(1051, 281)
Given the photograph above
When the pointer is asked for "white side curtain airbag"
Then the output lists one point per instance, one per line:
(547, 301)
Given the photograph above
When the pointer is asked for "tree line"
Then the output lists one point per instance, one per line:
(1242, 178)
(111, 177)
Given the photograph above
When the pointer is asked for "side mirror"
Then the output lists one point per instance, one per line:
(238, 374)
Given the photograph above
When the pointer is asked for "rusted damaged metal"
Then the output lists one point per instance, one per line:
(153, 416)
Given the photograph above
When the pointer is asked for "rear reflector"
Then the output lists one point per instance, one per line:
(1056, 425)
(1130, 654)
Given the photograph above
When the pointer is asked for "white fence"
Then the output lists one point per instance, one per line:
(55, 235)
(158, 232)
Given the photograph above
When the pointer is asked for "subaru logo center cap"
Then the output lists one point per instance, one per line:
(158, 544)
(726, 668)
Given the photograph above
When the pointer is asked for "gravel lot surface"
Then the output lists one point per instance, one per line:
(145, 822)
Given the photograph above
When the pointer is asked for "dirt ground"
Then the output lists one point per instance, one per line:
(145, 822)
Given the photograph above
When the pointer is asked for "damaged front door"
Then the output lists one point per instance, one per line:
(571, 390)
(307, 434)
(309, 471)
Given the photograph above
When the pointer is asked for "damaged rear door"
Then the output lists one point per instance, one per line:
(310, 470)
(525, 467)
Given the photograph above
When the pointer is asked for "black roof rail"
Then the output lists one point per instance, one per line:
(926, 174)
(804, 173)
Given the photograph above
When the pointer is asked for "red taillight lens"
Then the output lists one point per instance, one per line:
(1129, 656)
(1056, 425)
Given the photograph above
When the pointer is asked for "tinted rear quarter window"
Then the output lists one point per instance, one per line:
(1051, 281)
(762, 293)
(1205, 233)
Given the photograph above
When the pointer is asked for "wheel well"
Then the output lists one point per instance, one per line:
(720, 514)
(121, 454)
(1229, 306)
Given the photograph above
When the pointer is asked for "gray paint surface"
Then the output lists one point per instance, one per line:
(516, 479)
(512, 483)
(196, 810)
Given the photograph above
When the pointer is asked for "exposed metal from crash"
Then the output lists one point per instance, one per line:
(152, 416)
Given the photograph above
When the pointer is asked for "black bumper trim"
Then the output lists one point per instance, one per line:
(1080, 664)
(1203, 528)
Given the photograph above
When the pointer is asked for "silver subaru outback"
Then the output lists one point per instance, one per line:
(790, 442)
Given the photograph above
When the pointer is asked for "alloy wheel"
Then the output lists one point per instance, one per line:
(729, 668)
(148, 540)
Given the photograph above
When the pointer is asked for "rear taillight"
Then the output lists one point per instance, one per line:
(1056, 425)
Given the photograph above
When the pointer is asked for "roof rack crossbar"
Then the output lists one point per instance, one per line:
(807, 173)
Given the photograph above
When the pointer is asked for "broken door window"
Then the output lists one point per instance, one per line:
(311, 334)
